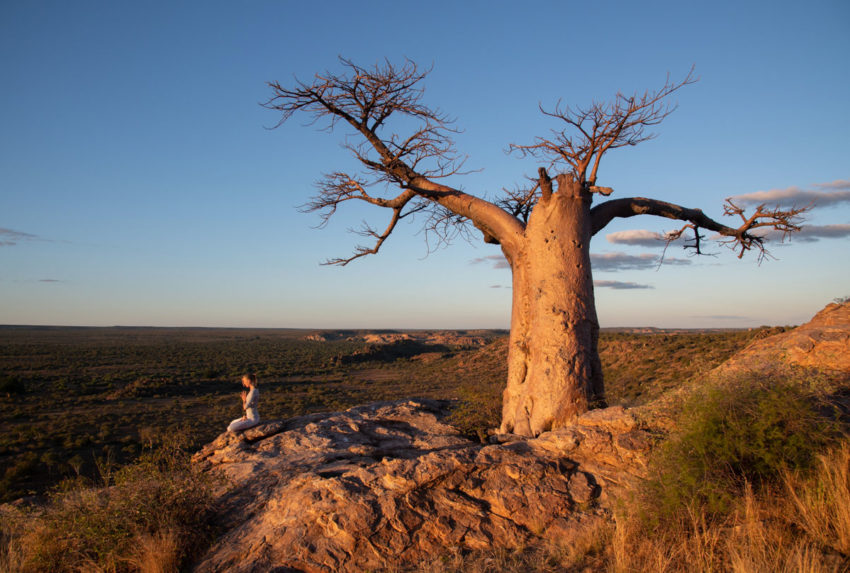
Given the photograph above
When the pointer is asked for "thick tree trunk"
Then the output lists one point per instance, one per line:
(554, 372)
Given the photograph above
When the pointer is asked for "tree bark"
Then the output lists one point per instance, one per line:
(554, 372)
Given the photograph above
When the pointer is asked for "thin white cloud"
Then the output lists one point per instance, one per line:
(620, 285)
(837, 184)
(810, 233)
(828, 194)
(498, 261)
(10, 237)
(625, 262)
(639, 237)
(604, 262)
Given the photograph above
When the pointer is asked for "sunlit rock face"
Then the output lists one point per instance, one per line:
(392, 485)
(821, 344)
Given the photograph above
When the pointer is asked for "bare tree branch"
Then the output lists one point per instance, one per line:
(443, 227)
(740, 239)
(366, 230)
(338, 187)
(366, 100)
(594, 130)
(520, 200)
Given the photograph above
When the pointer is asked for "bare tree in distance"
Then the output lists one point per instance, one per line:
(543, 229)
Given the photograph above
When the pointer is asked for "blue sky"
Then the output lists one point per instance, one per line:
(140, 184)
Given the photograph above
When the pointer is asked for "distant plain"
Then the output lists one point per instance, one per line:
(75, 398)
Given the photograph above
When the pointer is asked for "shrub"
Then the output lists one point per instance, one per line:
(733, 436)
(478, 411)
(153, 511)
(10, 385)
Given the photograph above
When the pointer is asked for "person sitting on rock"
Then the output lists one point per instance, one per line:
(249, 405)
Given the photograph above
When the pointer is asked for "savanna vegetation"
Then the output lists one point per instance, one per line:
(99, 423)
(73, 398)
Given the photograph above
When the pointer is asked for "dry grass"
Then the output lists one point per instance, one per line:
(823, 508)
(802, 528)
(156, 553)
(149, 517)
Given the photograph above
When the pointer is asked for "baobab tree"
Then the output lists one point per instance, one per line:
(544, 229)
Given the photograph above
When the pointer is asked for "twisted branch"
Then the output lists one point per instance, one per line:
(740, 239)
(367, 99)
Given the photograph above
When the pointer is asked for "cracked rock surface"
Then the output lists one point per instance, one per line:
(391, 484)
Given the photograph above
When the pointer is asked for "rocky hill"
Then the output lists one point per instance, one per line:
(822, 344)
(391, 484)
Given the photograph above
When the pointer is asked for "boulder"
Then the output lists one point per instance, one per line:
(391, 484)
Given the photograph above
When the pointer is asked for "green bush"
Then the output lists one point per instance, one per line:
(734, 436)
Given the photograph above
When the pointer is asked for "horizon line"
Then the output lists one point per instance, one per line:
(367, 329)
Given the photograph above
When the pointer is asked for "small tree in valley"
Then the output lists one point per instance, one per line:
(544, 230)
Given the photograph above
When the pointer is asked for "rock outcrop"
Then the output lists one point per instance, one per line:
(821, 344)
(392, 484)
(433, 337)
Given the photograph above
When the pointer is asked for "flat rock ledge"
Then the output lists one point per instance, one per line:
(391, 485)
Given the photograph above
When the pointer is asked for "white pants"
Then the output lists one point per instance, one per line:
(243, 424)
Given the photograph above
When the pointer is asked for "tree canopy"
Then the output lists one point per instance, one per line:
(420, 158)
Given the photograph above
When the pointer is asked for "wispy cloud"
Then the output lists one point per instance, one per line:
(837, 184)
(640, 237)
(811, 233)
(10, 237)
(616, 261)
(49, 281)
(498, 261)
(823, 195)
(619, 285)
(625, 262)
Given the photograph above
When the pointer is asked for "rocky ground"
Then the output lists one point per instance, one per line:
(822, 344)
(391, 484)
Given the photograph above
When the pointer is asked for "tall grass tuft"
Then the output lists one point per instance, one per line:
(156, 553)
(822, 502)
